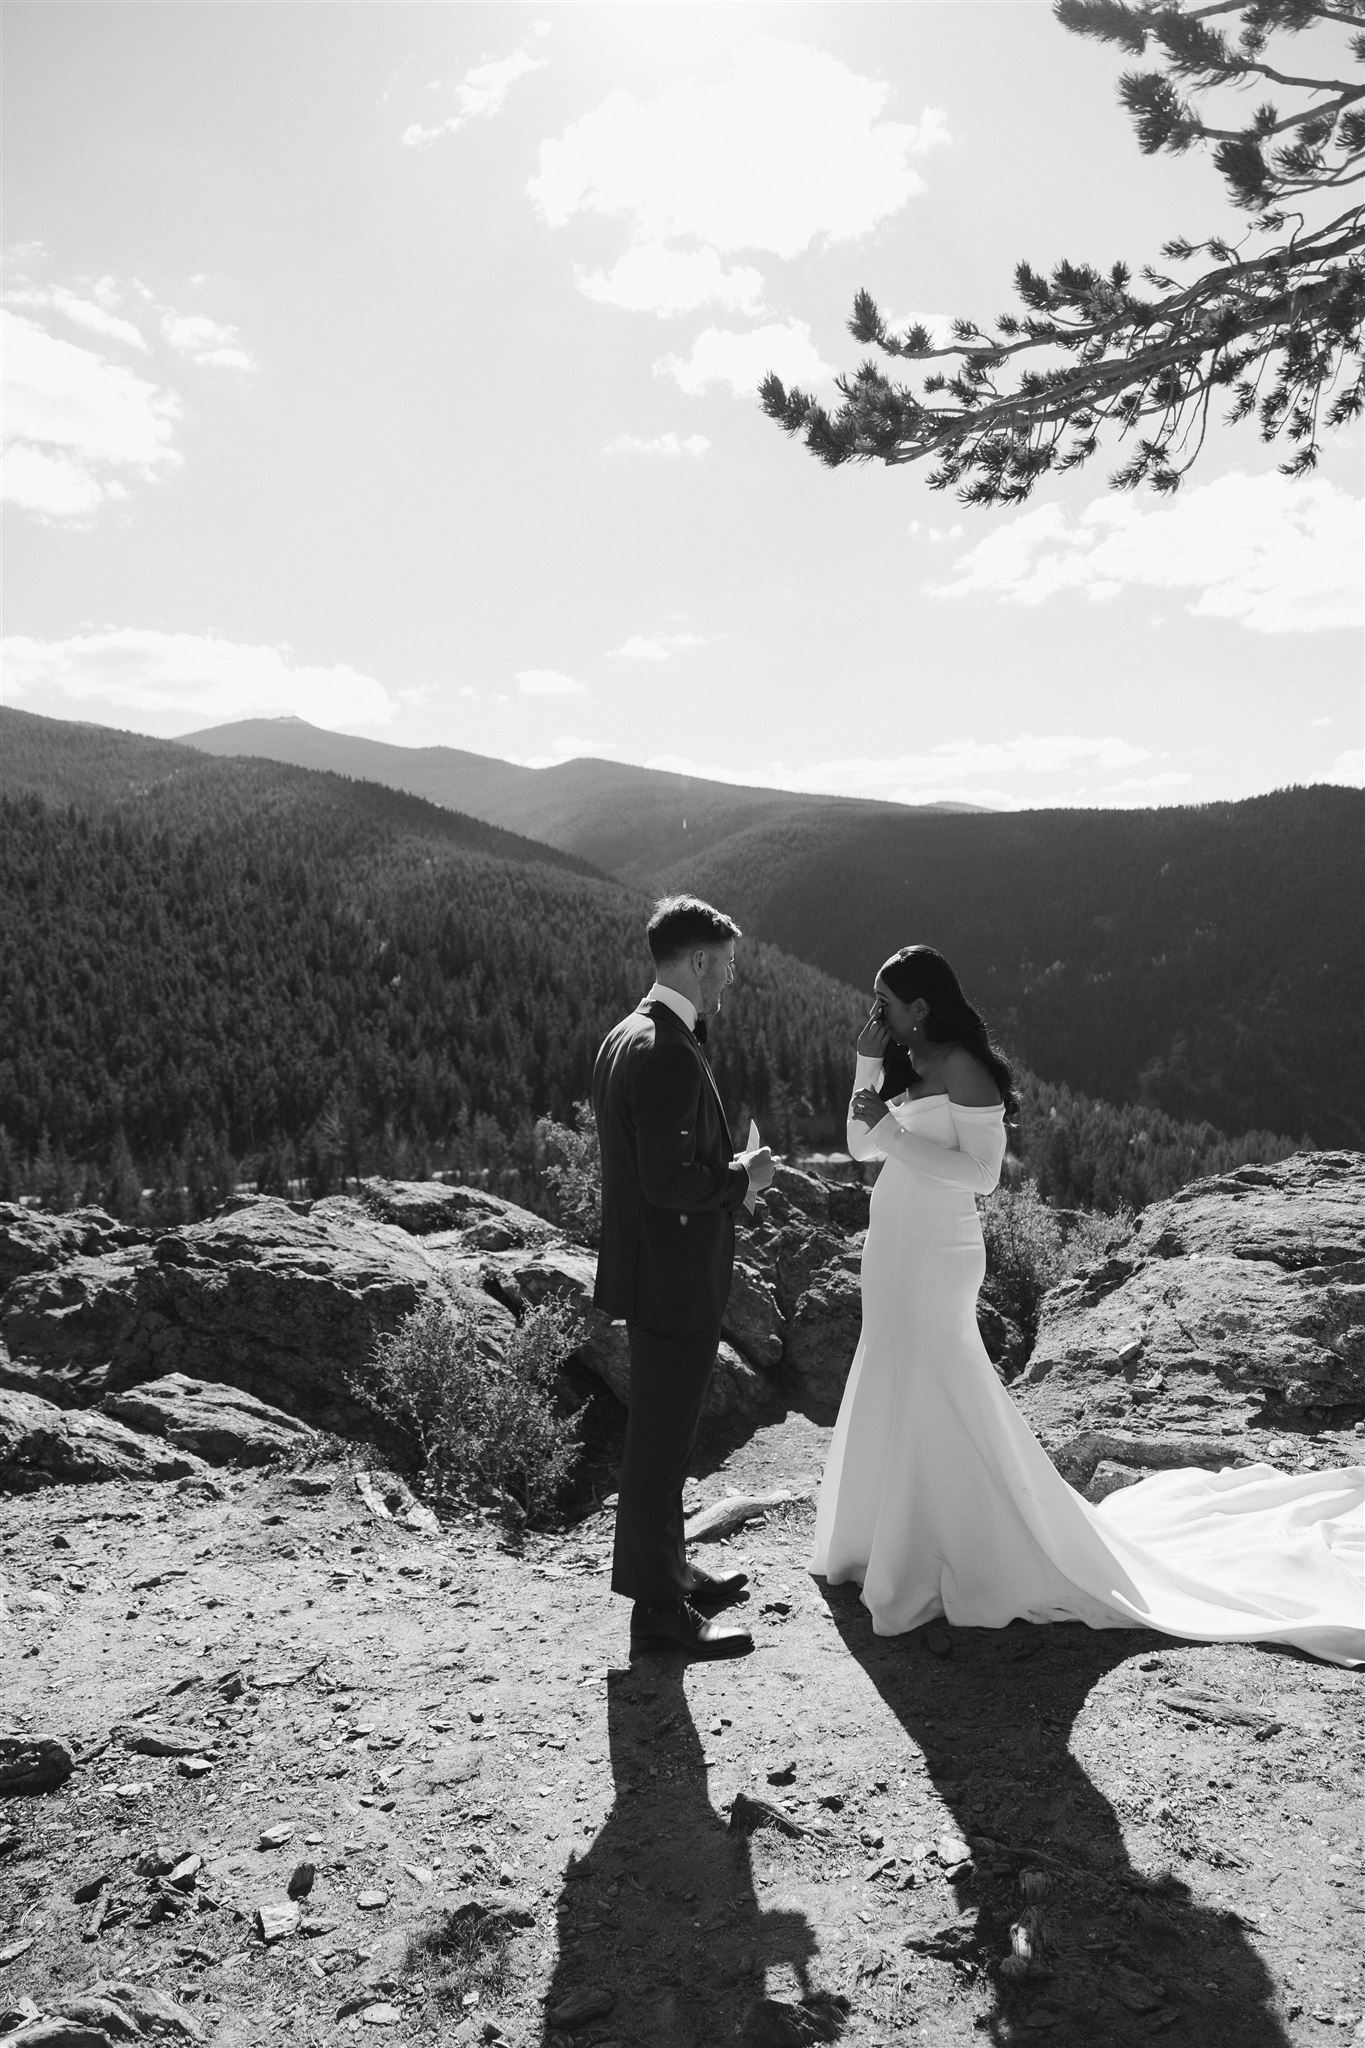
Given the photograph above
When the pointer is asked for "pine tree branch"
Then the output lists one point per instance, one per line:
(1089, 353)
(1202, 133)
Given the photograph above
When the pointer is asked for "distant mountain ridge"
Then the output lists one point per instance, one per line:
(86, 764)
(239, 958)
(213, 967)
(1205, 959)
(633, 822)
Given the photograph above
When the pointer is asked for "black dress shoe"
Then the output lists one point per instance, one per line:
(680, 1627)
(709, 1590)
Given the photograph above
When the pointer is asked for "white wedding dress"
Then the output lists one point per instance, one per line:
(939, 1500)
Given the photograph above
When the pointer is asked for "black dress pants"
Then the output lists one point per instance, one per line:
(669, 1375)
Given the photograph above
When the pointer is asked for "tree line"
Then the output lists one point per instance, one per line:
(239, 971)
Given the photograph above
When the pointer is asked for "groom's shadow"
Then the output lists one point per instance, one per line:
(994, 1721)
(661, 1909)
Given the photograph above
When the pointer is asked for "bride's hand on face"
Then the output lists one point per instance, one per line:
(874, 1037)
(868, 1108)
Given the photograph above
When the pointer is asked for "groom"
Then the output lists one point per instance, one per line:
(671, 1183)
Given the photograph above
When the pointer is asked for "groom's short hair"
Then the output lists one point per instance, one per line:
(681, 924)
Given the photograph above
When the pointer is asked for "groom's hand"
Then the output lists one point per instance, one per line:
(758, 1164)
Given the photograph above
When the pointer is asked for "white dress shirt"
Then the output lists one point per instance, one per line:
(678, 1004)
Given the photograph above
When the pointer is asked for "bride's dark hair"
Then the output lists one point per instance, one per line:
(921, 971)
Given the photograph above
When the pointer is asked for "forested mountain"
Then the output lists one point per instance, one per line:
(95, 767)
(632, 821)
(235, 955)
(218, 967)
(1208, 961)
(1204, 960)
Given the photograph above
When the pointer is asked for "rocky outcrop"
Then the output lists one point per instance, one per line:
(220, 1424)
(31, 1241)
(754, 1323)
(566, 1273)
(822, 1338)
(41, 1444)
(282, 1305)
(840, 1205)
(424, 1207)
(1237, 1308)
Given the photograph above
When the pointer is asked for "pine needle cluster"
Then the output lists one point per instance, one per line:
(1271, 325)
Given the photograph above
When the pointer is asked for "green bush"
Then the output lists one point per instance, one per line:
(483, 1428)
(1030, 1247)
(571, 1172)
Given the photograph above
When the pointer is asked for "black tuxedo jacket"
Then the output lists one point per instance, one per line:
(669, 1191)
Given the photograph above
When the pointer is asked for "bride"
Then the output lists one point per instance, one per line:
(936, 1496)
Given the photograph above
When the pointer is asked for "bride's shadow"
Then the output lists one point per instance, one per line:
(661, 1910)
(993, 1720)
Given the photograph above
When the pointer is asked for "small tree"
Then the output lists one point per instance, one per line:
(482, 1426)
(122, 1185)
(11, 1173)
(1030, 1247)
(572, 1172)
(1272, 325)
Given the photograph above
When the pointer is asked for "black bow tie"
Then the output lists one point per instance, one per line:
(699, 1031)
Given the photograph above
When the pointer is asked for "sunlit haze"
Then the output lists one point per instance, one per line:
(393, 367)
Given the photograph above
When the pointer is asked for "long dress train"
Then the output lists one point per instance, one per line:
(939, 1500)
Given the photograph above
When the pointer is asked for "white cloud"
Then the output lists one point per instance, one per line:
(548, 682)
(1058, 767)
(660, 444)
(657, 646)
(480, 94)
(1348, 767)
(1149, 785)
(89, 313)
(76, 425)
(790, 148)
(191, 674)
(205, 340)
(650, 278)
(721, 355)
(1277, 556)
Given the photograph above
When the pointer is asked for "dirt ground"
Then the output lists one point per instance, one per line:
(503, 1814)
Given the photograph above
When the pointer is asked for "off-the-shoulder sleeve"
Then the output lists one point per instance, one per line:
(857, 1137)
(975, 1164)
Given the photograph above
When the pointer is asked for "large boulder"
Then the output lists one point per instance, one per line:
(425, 1207)
(565, 1273)
(822, 1337)
(31, 1241)
(796, 1193)
(1237, 1305)
(220, 1424)
(43, 1445)
(754, 1323)
(736, 1388)
(283, 1305)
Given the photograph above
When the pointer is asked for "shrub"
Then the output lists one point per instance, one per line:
(482, 1427)
(572, 1172)
(467, 1948)
(1030, 1247)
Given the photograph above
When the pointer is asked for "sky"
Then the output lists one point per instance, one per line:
(393, 366)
